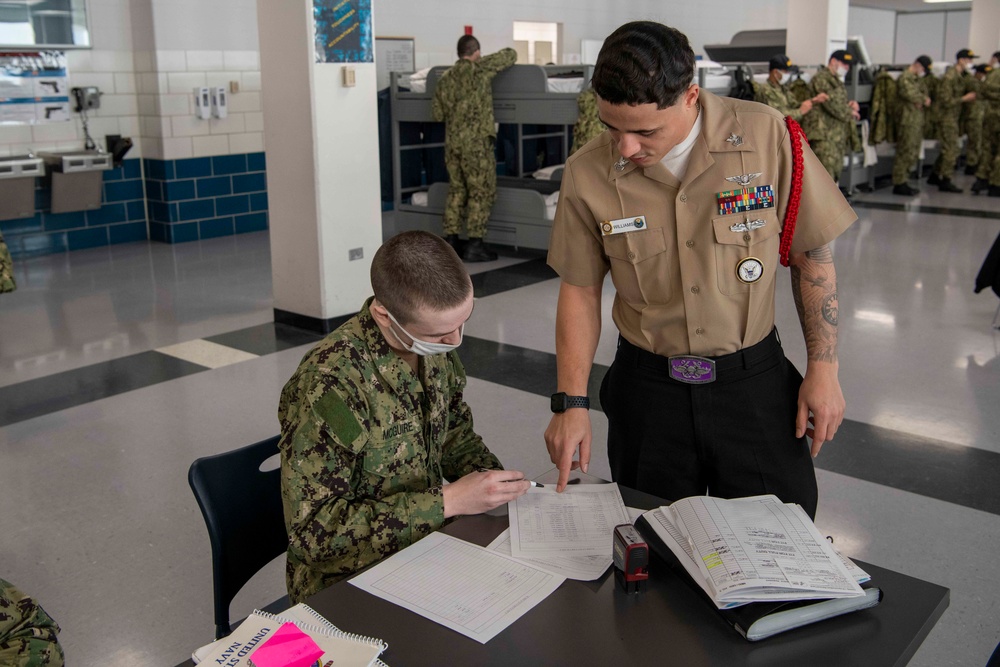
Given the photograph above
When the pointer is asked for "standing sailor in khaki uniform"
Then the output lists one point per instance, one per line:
(690, 200)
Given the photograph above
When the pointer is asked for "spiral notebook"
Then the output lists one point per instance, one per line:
(300, 630)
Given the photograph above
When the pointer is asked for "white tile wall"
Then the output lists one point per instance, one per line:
(177, 74)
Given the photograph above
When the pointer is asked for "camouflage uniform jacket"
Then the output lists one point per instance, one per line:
(27, 633)
(6, 269)
(949, 95)
(588, 121)
(829, 120)
(910, 96)
(366, 445)
(463, 97)
(778, 97)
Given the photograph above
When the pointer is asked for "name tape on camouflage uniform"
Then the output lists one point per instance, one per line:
(622, 225)
(745, 199)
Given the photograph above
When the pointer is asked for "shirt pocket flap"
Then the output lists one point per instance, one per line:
(746, 229)
(635, 247)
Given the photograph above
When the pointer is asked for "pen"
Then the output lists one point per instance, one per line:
(534, 484)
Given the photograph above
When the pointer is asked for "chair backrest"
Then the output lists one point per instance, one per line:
(243, 513)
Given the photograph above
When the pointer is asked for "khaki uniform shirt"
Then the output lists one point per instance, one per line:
(366, 445)
(677, 290)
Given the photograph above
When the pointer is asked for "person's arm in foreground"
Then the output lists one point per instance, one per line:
(578, 330)
(814, 287)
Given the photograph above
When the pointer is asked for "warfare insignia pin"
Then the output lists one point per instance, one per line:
(743, 179)
(735, 139)
(749, 270)
(620, 165)
(747, 226)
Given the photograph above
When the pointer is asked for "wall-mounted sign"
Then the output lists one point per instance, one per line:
(343, 31)
(34, 87)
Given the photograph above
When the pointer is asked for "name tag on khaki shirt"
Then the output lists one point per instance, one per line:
(622, 225)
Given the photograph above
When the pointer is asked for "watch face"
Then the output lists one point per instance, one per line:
(750, 270)
(558, 402)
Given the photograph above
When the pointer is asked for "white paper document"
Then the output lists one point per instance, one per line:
(462, 586)
(752, 549)
(571, 566)
(580, 520)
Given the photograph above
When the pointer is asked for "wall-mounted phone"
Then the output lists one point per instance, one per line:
(203, 103)
(220, 102)
(86, 98)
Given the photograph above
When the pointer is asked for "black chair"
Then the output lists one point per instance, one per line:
(243, 513)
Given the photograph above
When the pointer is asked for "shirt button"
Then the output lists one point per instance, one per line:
(631, 255)
(699, 331)
(746, 237)
(689, 244)
(684, 197)
(694, 289)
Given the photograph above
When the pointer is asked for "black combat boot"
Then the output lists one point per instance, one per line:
(905, 190)
(475, 251)
(455, 243)
(980, 185)
(933, 179)
(947, 186)
(995, 190)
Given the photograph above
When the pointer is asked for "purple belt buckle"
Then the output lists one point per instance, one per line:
(692, 370)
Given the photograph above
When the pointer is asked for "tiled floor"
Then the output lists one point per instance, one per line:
(120, 366)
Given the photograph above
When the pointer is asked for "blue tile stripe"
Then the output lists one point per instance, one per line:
(120, 219)
(179, 200)
(199, 198)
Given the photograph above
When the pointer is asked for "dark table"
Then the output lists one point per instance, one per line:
(667, 623)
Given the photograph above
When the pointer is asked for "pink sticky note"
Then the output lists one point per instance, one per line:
(288, 647)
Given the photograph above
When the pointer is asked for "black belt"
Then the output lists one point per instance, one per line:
(691, 369)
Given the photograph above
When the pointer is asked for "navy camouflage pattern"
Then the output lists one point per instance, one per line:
(366, 445)
(7, 283)
(28, 636)
(463, 100)
(830, 125)
(910, 98)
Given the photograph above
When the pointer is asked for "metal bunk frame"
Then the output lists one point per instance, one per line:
(520, 97)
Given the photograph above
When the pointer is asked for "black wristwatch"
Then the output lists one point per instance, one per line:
(561, 402)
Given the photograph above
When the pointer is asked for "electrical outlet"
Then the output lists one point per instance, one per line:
(234, 86)
(355, 253)
(349, 77)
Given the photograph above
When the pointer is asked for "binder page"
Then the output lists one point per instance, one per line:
(571, 566)
(761, 542)
(659, 521)
(462, 586)
(579, 520)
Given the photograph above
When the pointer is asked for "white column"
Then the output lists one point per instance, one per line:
(984, 28)
(321, 140)
(816, 28)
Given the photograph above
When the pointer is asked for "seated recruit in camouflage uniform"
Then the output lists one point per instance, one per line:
(27, 633)
(463, 99)
(775, 94)
(374, 421)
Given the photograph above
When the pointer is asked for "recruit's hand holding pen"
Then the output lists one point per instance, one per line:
(482, 491)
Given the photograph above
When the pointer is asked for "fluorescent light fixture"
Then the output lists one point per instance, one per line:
(936, 1)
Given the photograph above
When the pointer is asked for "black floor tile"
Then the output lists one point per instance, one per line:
(34, 398)
(266, 338)
(512, 277)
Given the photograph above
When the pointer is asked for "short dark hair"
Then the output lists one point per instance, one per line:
(467, 45)
(996, 54)
(418, 269)
(644, 62)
